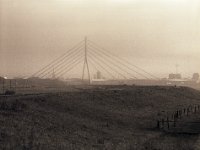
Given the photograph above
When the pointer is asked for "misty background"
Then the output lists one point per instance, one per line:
(153, 34)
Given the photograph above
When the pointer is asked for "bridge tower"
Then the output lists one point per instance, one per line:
(85, 64)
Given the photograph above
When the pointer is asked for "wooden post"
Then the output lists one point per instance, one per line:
(26, 83)
(177, 114)
(15, 84)
(158, 124)
(174, 121)
(180, 113)
(167, 122)
(163, 125)
(187, 111)
(3, 86)
(10, 84)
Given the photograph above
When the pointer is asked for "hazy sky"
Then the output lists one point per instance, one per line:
(153, 34)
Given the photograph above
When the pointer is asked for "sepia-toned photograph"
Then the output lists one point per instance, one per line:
(99, 74)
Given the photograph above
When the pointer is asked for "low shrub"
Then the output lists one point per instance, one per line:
(9, 92)
(15, 105)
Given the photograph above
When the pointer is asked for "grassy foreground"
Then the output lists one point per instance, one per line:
(105, 117)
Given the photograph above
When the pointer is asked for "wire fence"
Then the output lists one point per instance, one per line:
(167, 120)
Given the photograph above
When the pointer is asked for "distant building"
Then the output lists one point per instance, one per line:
(175, 76)
(195, 77)
(53, 75)
(99, 76)
(95, 76)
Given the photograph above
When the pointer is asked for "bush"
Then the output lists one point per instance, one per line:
(9, 92)
(12, 105)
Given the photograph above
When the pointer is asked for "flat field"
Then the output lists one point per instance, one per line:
(95, 117)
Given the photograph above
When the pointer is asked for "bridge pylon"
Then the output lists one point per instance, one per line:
(85, 64)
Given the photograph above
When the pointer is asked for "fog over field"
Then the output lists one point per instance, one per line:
(153, 34)
(100, 74)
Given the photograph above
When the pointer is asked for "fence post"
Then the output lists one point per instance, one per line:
(163, 123)
(158, 124)
(168, 122)
(15, 85)
(3, 86)
(180, 113)
(10, 84)
(174, 120)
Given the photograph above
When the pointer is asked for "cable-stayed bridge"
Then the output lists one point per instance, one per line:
(91, 57)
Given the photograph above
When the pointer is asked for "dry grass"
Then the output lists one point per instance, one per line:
(106, 117)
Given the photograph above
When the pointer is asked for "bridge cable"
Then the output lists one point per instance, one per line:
(72, 67)
(116, 65)
(57, 59)
(69, 65)
(96, 62)
(89, 41)
(110, 57)
(60, 61)
(107, 65)
(62, 65)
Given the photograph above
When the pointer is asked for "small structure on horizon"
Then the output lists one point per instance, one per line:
(175, 76)
(195, 77)
(98, 75)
